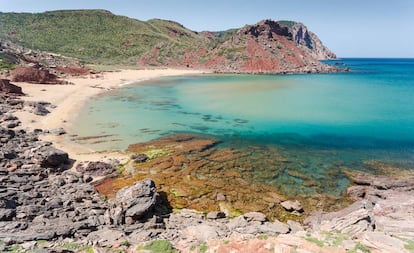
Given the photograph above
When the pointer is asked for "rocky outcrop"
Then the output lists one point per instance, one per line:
(34, 75)
(96, 168)
(133, 203)
(9, 88)
(266, 47)
(309, 42)
(381, 217)
(53, 63)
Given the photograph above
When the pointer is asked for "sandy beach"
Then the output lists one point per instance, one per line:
(69, 99)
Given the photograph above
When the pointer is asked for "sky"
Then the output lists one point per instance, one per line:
(350, 28)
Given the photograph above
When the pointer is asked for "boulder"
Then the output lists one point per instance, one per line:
(34, 75)
(138, 200)
(291, 206)
(9, 88)
(40, 109)
(57, 131)
(51, 157)
(140, 158)
(255, 216)
(216, 215)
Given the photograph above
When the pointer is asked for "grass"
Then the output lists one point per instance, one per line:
(91, 35)
(160, 246)
(409, 244)
(263, 237)
(6, 62)
(314, 240)
(125, 243)
(203, 248)
(359, 248)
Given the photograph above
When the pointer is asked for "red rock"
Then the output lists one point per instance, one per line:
(9, 88)
(33, 75)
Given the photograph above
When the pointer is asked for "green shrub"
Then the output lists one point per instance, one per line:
(160, 246)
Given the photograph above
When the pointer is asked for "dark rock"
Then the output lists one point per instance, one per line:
(57, 131)
(7, 214)
(140, 158)
(51, 157)
(95, 168)
(8, 88)
(41, 110)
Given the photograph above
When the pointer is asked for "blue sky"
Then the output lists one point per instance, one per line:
(351, 28)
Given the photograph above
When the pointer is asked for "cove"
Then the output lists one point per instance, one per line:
(320, 124)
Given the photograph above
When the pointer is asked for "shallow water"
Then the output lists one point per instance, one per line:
(319, 123)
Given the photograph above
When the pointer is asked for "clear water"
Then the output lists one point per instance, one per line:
(317, 121)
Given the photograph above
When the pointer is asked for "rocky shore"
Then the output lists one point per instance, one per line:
(48, 205)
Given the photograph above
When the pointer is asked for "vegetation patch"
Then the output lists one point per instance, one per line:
(160, 246)
(203, 248)
(360, 248)
(314, 240)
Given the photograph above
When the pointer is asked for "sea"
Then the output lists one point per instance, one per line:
(321, 123)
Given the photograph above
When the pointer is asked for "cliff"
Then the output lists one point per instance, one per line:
(266, 47)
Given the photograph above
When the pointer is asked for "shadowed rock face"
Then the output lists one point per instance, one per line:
(9, 88)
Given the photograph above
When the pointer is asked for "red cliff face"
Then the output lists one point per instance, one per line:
(267, 47)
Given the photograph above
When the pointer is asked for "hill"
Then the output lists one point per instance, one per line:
(98, 36)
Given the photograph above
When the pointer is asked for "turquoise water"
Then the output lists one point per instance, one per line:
(318, 121)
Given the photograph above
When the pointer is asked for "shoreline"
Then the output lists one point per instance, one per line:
(378, 219)
(69, 99)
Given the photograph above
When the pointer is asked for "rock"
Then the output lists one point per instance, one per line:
(106, 237)
(137, 200)
(255, 216)
(291, 206)
(9, 88)
(41, 110)
(140, 158)
(220, 197)
(51, 157)
(200, 233)
(57, 131)
(353, 219)
(294, 226)
(383, 242)
(7, 214)
(95, 168)
(356, 191)
(34, 75)
(216, 215)
(275, 227)
(238, 222)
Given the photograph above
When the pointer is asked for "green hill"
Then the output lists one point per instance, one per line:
(98, 36)
(90, 35)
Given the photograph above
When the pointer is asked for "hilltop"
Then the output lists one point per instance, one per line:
(99, 36)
